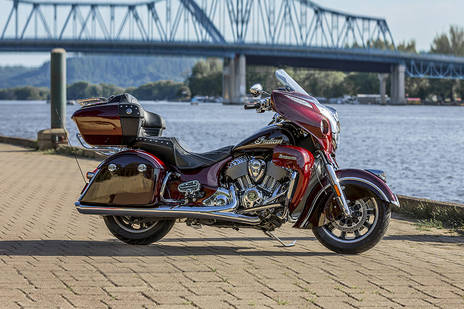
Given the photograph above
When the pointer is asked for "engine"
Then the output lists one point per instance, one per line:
(258, 181)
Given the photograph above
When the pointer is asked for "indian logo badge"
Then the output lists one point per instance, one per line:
(271, 141)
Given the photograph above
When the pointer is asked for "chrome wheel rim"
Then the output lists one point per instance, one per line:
(135, 224)
(349, 230)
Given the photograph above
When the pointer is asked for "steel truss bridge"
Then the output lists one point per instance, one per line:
(267, 32)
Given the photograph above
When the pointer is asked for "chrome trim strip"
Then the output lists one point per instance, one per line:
(163, 188)
(310, 211)
(257, 208)
(290, 188)
(106, 151)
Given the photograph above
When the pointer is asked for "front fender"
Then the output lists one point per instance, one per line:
(370, 180)
(319, 194)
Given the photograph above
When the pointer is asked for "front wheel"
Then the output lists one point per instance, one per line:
(359, 233)
(138, 231)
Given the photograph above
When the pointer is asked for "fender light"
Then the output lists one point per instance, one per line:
(90, 175)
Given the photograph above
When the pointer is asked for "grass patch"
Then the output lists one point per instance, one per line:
(432, 214)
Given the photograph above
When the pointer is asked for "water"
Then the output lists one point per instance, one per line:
(419, 147)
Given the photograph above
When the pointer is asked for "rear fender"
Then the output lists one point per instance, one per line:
(319, 195)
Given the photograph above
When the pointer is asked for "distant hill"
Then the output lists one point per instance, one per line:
(124, 71)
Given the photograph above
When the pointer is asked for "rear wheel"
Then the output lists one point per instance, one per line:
(359, 233)
(138, 230)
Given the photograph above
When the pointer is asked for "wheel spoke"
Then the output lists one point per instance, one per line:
(330, 227)
(367, 225)
(343, 235)
(356, 234)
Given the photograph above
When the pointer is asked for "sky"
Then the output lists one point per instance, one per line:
(421, 20)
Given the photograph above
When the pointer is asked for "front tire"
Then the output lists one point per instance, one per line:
(138, 231)
(360, 233)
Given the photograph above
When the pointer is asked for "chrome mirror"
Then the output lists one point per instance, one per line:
(256, 90)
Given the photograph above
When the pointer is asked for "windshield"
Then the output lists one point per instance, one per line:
(327, 111)
(289, 82)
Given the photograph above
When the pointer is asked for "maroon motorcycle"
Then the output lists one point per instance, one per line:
(285, 172)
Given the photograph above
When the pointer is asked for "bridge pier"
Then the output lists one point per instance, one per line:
(383, 87)
(397, 84)
(234, 80)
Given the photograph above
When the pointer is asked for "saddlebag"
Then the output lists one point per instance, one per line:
(128, 178)
(116, 121)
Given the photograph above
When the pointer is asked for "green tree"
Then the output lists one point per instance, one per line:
(206, 78)
(451, 43)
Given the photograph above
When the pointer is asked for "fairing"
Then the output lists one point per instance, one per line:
(303, 110)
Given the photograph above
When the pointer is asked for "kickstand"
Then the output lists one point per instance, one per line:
(270, 234)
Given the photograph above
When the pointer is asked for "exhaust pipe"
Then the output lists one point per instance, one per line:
(164, 211)
(224, 213)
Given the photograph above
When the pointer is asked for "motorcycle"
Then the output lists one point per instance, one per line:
(285, 172)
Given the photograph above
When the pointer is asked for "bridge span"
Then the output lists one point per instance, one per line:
(257, 32)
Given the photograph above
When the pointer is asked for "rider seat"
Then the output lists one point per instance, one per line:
(170, 151)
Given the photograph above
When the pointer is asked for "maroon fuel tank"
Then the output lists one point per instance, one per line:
(128, 178)
(267, 138)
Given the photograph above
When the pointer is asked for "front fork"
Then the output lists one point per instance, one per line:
(341, 200)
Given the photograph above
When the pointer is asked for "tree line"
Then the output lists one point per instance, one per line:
(160, 90)
(206, 80)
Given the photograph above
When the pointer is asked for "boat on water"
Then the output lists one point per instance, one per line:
(205, 99)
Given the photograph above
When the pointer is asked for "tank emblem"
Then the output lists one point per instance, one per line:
(271, 141)
(282, 156)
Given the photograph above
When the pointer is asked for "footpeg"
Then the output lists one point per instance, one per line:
(271, 235)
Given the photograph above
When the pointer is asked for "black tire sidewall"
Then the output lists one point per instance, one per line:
(365, 244)
(153, 234)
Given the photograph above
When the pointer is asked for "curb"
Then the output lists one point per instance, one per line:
(18, 141)
(62, 149)
(450, 214)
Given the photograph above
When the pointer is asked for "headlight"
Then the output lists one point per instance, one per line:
(332, 116)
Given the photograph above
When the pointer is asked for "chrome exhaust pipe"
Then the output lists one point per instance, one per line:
(164, 211)
(225, 213)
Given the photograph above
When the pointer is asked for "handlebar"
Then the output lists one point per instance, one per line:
(261, 106)
(251, 106)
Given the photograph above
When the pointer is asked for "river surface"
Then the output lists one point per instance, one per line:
(419, 147)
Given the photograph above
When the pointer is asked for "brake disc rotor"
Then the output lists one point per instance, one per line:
(359, 216)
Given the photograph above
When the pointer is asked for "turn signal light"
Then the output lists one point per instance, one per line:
(337, 191)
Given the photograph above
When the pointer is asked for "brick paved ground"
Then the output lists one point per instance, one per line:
(50, 256)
